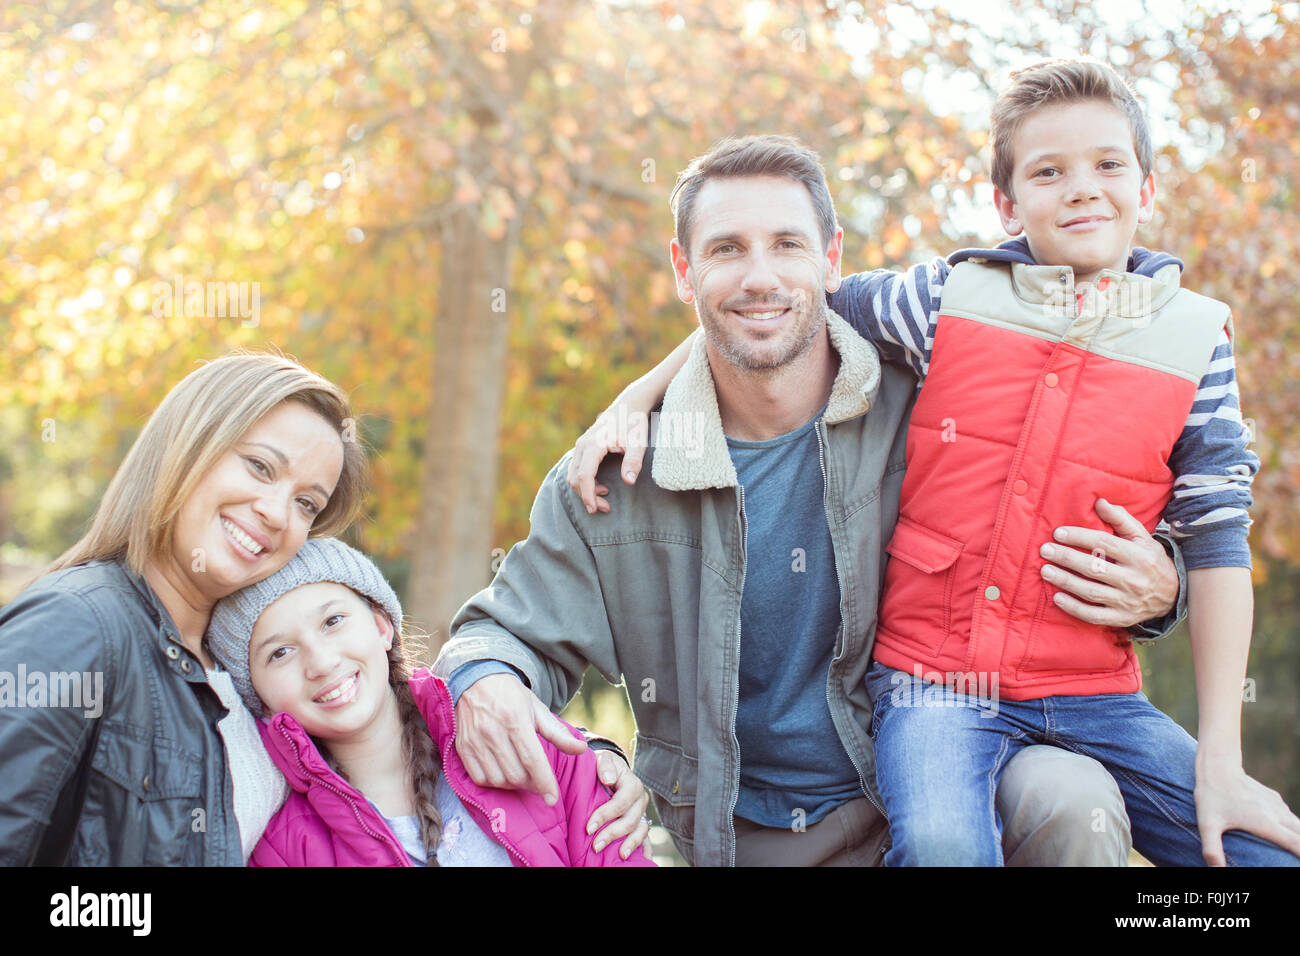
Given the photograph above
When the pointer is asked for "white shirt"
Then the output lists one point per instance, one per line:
(259, 788)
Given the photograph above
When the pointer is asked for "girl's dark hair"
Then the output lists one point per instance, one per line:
(418, 749)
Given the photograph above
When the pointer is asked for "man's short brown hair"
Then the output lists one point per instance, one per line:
(1051, 83)
(733, 158)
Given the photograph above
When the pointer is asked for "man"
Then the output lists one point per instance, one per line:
(735, 594)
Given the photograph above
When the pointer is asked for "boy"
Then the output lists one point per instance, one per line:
(1045, 361)
(1030, 370)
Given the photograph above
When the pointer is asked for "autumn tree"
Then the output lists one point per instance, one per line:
(458, 211)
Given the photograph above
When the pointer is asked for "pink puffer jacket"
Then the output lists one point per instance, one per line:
(327, 822)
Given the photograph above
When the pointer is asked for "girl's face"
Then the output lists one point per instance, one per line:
(320, 653)
(251, 512)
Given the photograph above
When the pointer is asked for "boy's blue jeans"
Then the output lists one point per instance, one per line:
(939, 755)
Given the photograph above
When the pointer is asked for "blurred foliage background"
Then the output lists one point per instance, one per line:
(458, 211)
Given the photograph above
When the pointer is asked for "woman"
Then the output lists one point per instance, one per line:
(114, 751)
(121, 743)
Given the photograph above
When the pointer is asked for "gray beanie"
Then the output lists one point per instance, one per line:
(321, 559)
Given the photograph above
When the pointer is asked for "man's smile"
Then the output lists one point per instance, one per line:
(760, 317)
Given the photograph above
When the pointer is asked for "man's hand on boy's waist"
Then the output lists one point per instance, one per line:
(1115, 580)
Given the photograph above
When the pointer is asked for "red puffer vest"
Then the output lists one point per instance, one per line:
(1035, 406)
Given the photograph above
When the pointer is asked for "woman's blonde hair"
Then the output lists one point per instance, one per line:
(197, 423)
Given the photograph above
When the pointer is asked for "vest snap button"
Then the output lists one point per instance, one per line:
(1020, 487)
(676, 785)
(1051, 380)
(185, 666)
(147, 783)
(992, 593)
(173, 651)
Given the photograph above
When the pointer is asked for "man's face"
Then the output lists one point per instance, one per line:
(756, 269)
(1079, 189)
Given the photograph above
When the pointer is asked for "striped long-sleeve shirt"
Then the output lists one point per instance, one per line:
(1211, 461)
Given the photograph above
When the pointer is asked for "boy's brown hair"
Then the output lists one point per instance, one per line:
(1052, 83)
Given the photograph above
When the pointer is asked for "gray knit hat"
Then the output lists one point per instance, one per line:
(321, 559)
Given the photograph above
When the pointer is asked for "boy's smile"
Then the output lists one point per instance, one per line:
(1079, 189)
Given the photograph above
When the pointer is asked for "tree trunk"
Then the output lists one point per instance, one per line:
(451, 548)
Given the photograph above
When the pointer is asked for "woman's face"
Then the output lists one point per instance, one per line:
(320, 653)
(251, 512)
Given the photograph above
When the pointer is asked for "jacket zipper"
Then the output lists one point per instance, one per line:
(735, 702)
(821, 454)
(446, 750)
(388, 840)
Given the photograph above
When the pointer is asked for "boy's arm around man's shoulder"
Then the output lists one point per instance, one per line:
(895, 311)
(544, 613)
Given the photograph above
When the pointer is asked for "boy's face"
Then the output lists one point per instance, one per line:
(1079, 190)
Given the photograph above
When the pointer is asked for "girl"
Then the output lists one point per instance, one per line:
(368, 746)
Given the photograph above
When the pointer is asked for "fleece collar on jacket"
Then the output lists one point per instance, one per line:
(691, 408)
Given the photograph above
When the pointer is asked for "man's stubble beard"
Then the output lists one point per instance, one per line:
(738, 354)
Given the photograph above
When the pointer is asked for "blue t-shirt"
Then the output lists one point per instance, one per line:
(791, 757)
